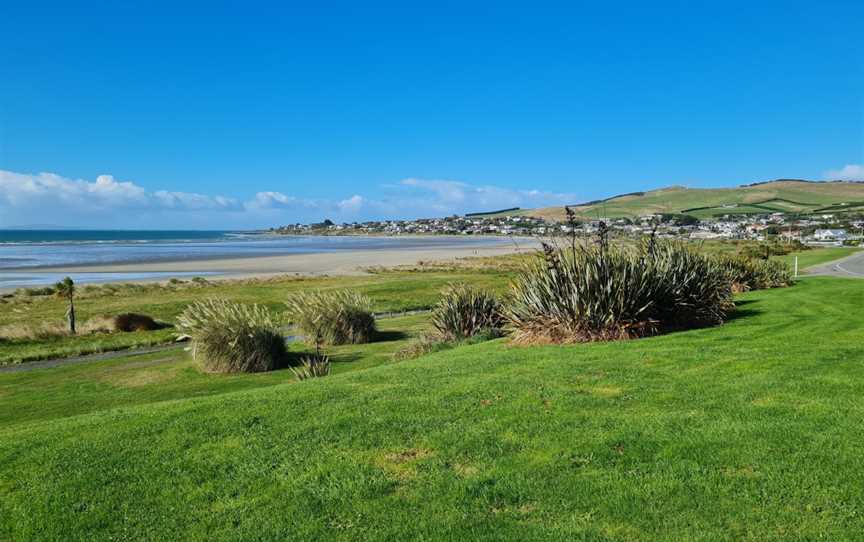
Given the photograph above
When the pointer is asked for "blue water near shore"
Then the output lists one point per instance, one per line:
(27, 256)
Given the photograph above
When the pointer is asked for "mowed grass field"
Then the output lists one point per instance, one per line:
(748, 431)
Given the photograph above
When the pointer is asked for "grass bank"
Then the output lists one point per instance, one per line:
(128, 380)
(742, 432)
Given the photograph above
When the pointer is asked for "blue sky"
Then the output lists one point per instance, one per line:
(253, 114)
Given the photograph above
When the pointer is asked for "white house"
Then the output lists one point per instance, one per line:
(830, 235)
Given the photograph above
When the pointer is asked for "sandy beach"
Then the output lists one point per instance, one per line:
(325, 263)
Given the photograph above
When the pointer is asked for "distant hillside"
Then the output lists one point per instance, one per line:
(500, 212)
(782, 195)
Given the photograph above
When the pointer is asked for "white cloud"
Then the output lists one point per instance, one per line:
(463, 197)
(352, 205)
(47, 198)
(850, 172)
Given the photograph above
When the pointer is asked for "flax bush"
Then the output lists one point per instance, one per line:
(332, 317)
(606, 292)
(231, 337)
(465, 311)
(746, 273)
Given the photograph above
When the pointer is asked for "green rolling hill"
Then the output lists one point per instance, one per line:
(788, 196)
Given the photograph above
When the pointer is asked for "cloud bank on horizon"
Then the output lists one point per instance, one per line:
(48, 198)
(849, 172)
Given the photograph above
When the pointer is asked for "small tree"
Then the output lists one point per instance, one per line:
(66, 290)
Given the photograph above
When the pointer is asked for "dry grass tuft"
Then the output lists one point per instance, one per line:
(39, 332)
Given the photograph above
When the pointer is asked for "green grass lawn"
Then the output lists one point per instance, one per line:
(79, 388)
(749, 431)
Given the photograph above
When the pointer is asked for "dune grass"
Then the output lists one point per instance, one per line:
(747, 431)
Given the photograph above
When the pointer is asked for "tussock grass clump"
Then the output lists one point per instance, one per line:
(422, 345)
(429, 343)
(316, 366)
(232, 337)
(332, 317)
(606, 292)
(747, 274)
(465, 311)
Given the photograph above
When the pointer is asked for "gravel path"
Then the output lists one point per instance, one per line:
(48, 363)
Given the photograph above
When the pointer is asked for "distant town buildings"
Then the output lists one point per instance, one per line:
(830, 235)
(816, 229)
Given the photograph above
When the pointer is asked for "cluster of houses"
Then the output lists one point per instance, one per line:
(452, 225)
(813, 229)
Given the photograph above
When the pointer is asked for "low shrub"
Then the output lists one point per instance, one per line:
(613, 292)
(332, 317)
(232, 337)
(35, 292)
(746, 273)
(464, 311)
(131, 321)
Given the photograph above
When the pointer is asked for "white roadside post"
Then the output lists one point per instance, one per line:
(796, 267)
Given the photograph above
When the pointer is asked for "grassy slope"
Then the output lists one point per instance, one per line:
(75, 389)
(741, 432)
(390, 291)
(782, 196)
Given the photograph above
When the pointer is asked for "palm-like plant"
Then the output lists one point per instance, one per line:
(66, 290)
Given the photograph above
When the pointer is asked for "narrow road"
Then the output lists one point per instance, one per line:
(101, 356)
(850, 266)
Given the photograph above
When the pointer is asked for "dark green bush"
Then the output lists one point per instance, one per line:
(601, 293)
(464, 311)
(35, 292)
(135, 322)
(687, 289)
(746, 273)
(233, 338)
(332, 317)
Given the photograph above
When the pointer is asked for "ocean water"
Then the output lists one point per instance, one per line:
(27, 256)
